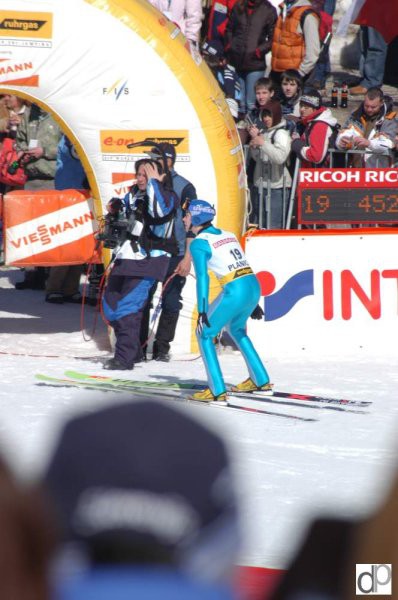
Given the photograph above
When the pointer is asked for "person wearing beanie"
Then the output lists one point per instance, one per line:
(317, 126)
(219, 251)
(270, 148)
(248, 38)
(145, 503)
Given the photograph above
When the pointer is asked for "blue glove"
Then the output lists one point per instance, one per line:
(201, 322)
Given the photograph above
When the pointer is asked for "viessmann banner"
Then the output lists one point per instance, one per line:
(49, 228)
(326, 293)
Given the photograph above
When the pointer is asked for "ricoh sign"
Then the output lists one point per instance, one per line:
(327, 292)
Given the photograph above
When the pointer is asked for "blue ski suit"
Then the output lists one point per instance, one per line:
(220, 252)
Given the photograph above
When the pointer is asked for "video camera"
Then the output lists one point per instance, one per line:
(117, 227)
(256, 122)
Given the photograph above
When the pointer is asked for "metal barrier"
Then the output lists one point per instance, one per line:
(264, 192)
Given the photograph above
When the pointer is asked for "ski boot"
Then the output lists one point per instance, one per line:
(208, 396)
(248, 386)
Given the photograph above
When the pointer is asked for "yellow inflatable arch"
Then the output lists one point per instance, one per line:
(114, 72)
(117, 71)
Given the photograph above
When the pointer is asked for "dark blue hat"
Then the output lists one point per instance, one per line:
(145, 472)
(201, 212)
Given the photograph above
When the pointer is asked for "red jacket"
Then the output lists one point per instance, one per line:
(312, 147)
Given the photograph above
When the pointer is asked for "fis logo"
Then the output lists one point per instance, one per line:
(279, 302)
(117, 90)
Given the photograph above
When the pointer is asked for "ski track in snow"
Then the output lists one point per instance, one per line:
(287, 471)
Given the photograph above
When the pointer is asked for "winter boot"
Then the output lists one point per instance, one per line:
(35, 279)
(113, 364)
(55, 298)
(247, 386)
(164, 335)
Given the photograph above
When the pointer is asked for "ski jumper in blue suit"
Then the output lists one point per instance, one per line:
(220, 252)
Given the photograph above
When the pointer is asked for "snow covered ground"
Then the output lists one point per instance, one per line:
(287, 471)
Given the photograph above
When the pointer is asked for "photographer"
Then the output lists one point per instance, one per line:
(270, 148)
(141, 258)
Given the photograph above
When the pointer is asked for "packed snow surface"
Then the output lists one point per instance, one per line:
(287, 471)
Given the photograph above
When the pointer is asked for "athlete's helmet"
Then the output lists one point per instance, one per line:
(201, 212)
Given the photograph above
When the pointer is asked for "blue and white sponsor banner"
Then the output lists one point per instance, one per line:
(326, 292)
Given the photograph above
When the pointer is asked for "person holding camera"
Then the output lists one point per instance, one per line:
(140, 258)
(270, 148)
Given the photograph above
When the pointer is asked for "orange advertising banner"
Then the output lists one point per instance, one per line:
(115, 141)
(50, 227)
(24, 24)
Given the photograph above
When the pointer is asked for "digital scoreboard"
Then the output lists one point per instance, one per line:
(352, 196)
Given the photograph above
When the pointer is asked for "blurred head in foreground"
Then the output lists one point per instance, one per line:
(143, 483)
(27, 541)
(339, 557)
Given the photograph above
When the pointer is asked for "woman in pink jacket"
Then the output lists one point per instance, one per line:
(187, 14)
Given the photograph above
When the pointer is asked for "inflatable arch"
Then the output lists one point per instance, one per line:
(114, 72)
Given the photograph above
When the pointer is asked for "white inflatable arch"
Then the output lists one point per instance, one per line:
(113, 72)
(117, 71)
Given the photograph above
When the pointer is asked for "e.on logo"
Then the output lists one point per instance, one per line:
(278, 302)
(373, 580)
